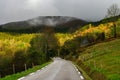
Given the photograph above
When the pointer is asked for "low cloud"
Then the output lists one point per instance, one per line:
(49, 20)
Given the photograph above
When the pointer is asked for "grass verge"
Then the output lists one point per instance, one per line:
(83, 72)
(24, 73)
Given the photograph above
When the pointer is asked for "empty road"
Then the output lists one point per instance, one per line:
(60, 69)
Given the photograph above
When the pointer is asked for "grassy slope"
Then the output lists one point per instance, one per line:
(86, 77)
(24, 73)
(104, 58)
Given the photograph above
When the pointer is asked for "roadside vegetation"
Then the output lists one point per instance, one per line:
(95, 48)
(24, 73)
(13, 51)
(19, 52)
(102, 58)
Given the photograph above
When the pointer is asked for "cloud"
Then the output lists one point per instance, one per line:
(15, 10)
(85, 9)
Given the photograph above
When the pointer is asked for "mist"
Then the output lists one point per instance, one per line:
(50, 20)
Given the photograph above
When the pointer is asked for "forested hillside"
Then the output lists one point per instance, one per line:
(20, 51)
(95, 48)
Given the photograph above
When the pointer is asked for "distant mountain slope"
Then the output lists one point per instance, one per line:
(60, 23)
(107, 20)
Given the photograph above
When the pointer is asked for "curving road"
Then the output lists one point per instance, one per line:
(60, 69)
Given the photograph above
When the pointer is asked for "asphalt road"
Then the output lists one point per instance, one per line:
(60, 69)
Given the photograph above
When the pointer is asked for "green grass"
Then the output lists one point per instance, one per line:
(104, 58)
(24, 73)
(83, 72)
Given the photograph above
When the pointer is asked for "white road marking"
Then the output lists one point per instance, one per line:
(79, 73)
(55, 71)
(21, 78)
(31, 73)
(76, 69)
(81, 77)
(38, 70)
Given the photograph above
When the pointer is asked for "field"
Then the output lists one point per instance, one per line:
(103, 58)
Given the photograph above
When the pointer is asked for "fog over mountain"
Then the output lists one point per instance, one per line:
(50, 20)
(58, 23)
(19, 10)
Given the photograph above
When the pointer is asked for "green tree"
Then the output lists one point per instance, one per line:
(19, 60)
(36, 52)
(43, 46)
(70, 47)
(50, 42)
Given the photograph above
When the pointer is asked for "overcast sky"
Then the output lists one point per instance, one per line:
(15, 10)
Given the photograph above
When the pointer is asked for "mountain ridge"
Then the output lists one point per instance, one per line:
(59, 22)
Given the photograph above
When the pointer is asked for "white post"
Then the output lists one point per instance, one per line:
(13, 69)
(25, 67)
(58, 52)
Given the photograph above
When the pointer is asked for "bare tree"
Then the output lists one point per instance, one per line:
(113, 10)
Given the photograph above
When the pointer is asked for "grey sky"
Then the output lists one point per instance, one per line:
(15, 10)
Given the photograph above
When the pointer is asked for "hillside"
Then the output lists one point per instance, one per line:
(60, 23)
(95, 48)
(102, 58)
(107, 20)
